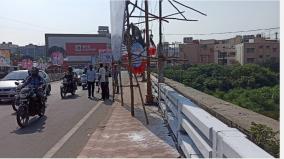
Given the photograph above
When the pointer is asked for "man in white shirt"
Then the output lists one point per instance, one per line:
(102, 79)
(91, 77)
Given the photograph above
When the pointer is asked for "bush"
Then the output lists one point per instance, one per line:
(265, 138)
(250, 86)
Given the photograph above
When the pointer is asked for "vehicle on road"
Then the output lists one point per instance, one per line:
(32, 101)
(67, 86)
(8, 86)
(78, 73)
(84, 81)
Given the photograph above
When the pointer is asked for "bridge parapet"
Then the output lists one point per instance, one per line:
(198, 133)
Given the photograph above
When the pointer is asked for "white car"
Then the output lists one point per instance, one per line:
(8, 86)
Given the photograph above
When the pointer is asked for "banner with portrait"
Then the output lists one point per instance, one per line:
(5, 57)
(105, 56)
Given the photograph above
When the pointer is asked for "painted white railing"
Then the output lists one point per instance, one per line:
(198, 133)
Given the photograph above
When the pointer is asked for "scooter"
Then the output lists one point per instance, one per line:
(84, 81)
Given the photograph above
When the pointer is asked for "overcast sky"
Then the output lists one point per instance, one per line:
(26, 21)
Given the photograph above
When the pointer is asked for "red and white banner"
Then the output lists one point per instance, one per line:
(73, 49)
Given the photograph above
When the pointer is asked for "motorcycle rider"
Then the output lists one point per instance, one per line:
(35, 81)
(69, 75)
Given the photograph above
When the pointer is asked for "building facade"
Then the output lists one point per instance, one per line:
(197, 52)
(9, 46)
(225, 54)
(257, 50)
(225, 51)
(78, 50)
(34, 51)
(240, 49)
(171, 53)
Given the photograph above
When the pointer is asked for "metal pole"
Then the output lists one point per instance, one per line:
(149, 96)
(120, 83)
(160, 47)
(130, 62)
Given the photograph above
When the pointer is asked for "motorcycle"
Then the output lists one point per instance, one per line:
(67, 87)
(16, 102)
(30, 104)
(84, 81)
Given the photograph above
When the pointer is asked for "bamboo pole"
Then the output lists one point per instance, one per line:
(149, 96)
(129, 61)
(143, 104)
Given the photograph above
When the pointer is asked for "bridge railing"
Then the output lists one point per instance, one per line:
(198, 133)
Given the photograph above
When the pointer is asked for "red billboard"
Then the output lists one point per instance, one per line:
(75, 49)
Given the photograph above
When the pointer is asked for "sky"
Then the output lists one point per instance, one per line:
(26, 21)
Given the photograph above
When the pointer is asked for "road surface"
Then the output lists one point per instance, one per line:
(61, 133)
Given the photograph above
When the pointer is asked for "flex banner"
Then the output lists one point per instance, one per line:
(117, 16)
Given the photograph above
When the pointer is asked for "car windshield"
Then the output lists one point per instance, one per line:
(16, 75)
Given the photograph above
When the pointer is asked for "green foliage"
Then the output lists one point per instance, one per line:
(272, 65)
(250, 86)
(266, 138)
(264, 100)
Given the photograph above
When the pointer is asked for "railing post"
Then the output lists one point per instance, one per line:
(179, 118)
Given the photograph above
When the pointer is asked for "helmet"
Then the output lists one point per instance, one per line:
(34, 71)
(70, 69)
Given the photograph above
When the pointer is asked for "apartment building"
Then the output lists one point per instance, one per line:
(34, 51)
(9, 46)
(257, 50)
(197, 52)
(225, 51)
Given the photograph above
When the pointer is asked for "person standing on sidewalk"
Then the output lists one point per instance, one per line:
(91, 76)
(102, 80)
(98, 84)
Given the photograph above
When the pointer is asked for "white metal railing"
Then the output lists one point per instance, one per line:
(200, 134)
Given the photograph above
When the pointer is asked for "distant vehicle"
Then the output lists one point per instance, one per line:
(78, 72)
(8, 86)
(84, 81)
(67, 86)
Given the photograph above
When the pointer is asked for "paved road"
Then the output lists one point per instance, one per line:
(43, 134)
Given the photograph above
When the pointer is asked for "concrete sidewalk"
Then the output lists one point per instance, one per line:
(126, 136)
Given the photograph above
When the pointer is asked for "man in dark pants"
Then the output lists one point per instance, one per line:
(91, 76)
(102, 79)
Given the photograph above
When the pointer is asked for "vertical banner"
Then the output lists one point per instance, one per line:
(105, 56)
(27, 63)
(5, 58)
(117, 18)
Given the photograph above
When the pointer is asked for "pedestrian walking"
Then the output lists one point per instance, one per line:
(98, 84)
(102, 79)
(91, 76)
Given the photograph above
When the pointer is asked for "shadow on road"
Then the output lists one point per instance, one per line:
(36, 125)
(108, 102)
(5, 103)
(71, 97)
